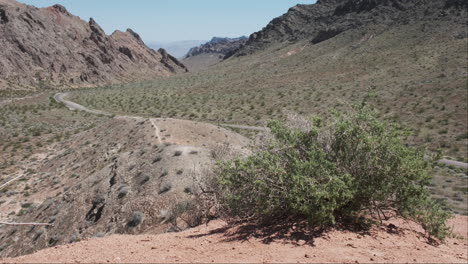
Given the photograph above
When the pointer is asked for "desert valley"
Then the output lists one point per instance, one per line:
(336, 133)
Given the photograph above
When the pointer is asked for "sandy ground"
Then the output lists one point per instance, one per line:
(217, 243)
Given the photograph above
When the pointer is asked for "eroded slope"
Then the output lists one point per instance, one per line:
(129, 175)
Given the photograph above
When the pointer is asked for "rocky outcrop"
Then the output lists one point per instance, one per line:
(329, 18)
(51, 48)
(170, 61)
(219, 46)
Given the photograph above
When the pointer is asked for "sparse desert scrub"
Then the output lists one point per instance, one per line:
(30, 125)
(338, 171)
(256, 89)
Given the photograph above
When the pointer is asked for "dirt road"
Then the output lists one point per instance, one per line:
(74, 106)
(254, 128)
(454, 163)
(60, 97)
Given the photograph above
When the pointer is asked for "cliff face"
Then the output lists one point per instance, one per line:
(51, 48)
(328, 18)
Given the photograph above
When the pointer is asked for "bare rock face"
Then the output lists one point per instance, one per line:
(329, 18)
(51, 48)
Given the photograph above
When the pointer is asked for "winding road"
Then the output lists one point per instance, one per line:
(454, 163)
(60, 97)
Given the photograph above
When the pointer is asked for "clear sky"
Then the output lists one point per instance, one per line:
(175, 20)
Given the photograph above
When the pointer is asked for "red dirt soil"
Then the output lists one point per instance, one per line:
(217, 243)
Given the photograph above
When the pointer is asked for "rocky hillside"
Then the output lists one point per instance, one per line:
(220, 46)
(49, 48)
(329, 18)
(212, 52)
(128, 176)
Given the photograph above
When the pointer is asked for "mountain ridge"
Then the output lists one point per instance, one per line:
(212, 52)
(329, 18)
(51, 48)
(219, 45)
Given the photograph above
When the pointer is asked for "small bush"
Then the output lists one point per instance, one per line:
(164, 188)
(335, 172)
(136, 219)
(144, 179)
(123, 191)
(188, 212)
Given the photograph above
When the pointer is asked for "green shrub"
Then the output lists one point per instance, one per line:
(337, 171)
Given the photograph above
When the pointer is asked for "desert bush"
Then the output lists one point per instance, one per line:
(186, 211)
(336, 172)
(164, 188)
(123, 191)
(136, 219)
(144, 179)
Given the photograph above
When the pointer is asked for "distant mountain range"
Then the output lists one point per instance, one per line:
(177, 48)
(51, 48)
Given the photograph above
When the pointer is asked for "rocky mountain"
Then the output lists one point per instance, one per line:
(49, 47)
(177, 48)
(212, 52)
(329, 18)
(219, 46)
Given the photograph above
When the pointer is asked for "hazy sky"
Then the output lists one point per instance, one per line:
(174, 20)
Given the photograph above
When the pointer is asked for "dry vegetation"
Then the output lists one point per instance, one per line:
(29, 128)
(31, 125)
(421, 83)
(126, 175)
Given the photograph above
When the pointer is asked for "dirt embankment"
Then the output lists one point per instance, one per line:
(395, 241)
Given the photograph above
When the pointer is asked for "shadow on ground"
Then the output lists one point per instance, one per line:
(296, 233)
